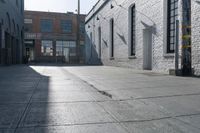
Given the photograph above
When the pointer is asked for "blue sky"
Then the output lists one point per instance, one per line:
(59, 5)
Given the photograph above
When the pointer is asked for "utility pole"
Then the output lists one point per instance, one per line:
(177, 49)
(78, 33)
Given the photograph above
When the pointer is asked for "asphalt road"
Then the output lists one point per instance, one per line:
(96, 99)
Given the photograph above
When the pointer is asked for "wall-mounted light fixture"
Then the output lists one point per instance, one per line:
(111, 6)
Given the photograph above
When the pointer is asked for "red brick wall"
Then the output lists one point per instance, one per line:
(57, 31)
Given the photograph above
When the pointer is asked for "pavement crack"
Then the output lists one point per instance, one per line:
(105, 93)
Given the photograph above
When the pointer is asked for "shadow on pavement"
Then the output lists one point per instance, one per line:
(18, 87)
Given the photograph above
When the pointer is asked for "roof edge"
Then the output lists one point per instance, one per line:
(96, 12)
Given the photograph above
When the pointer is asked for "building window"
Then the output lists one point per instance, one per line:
(47, 48)
(14, 28)
(0, 43)
(132, 31)
(28, 21)
(66, 26)
(82, 28)
(171, 26)
(99, 33)
(111, 38)
(8, 20)
(28, 27)
(59, 48)
(18, 32)
(60, 45)
(17, 2)
(46, 25)
(22, 6)
(82, 49)
(91, 45)
(3, 1)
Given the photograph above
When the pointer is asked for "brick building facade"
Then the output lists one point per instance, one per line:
(143, 34)
(11, 31)
(52, 37)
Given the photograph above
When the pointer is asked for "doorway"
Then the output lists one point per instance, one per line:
(66, 54)
(147, 49)
(30, 54)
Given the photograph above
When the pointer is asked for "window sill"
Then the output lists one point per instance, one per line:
(132, 57)
(168, 55)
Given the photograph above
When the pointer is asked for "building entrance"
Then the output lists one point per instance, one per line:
(66, 53)
(147, 49)
(30, 54)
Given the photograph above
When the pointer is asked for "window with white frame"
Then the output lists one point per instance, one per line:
(28, 21)
(60, 45)
(47, 48)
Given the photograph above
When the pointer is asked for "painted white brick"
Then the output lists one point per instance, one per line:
(148, 11)
(196, 37)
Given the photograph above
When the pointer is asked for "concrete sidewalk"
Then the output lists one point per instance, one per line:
(96, 99)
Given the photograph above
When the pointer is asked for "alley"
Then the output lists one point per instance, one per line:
(96, 99)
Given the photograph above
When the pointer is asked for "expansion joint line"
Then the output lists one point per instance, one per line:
(103, 93)
(28, 104)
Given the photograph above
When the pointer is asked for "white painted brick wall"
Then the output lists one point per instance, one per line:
(196, 36)
(149, 11)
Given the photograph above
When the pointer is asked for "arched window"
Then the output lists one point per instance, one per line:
(112, 38)
(22, 7)
(22, 33)
(99, 41)
(8, 21)
(14, 28)
(17, 2)
(18, 32)
(131, 27)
